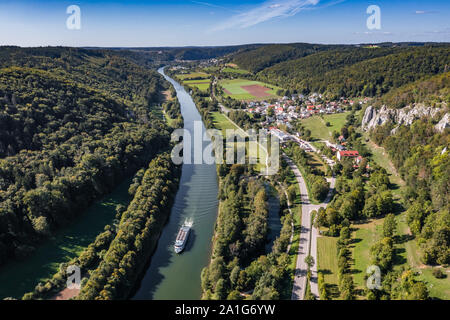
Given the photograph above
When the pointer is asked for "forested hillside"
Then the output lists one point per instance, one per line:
(319, 64)
(345, 70)
(74, 124)
(161, 55)
(421, 155)
(136, 236)
(264, 57)
(432, 91)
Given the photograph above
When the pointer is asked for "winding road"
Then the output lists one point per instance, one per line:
(308, 237)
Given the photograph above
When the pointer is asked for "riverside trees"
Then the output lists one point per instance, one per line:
(74, 124)
(239, 263)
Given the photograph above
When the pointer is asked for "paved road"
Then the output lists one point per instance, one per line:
(308, 238)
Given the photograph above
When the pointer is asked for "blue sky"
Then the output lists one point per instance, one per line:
(144, 23)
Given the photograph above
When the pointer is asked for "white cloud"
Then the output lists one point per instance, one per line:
(425, 12)
(267, 11)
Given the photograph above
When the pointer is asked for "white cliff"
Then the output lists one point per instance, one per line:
(405, 116)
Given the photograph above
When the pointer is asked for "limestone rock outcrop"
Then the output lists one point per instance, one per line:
(406, 116)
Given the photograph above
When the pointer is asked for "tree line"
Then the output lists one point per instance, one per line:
(240, 267)
(75, 123)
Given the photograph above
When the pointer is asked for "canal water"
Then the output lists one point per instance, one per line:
(172, 276)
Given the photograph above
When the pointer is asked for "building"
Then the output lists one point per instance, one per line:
(283, 137)
(347, 154)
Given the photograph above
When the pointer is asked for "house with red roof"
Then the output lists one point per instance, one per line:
(347, 154)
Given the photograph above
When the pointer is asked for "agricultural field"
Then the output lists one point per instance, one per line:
(202, 85)
(241, 89)
(193, 75)
(318, 127)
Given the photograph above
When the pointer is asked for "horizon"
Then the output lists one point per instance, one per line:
(189, 23)
(231, 45)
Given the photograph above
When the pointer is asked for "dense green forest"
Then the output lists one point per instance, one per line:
(239, 266)
(422, 158)
(432, 92)
(157, 56)
(267, 56)
(319, 64)
(345, 70)
(115, 260)
(74, 124)
(137, 234)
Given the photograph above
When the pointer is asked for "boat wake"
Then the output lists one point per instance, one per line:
(189, 222)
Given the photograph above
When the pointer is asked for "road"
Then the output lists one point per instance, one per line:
(308, 237)
(308, 233)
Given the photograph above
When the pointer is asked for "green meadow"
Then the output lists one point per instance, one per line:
(318, 127)
(193, 75)
(202, 85)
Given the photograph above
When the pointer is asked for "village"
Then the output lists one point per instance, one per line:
(281, 114)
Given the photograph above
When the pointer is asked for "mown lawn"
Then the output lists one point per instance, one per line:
(364, 236)
(221, 122)
(327, 263)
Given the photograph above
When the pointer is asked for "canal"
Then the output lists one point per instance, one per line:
(172, 276)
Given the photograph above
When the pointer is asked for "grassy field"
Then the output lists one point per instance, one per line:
(193, 75)
(380, 156)
(318, 127)
(234, 87)
(202, 85)
(211, 69)
(221, 122)
(409, 253)
(328, 265)
(364, 236)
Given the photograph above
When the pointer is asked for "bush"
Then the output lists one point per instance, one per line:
(438, 274)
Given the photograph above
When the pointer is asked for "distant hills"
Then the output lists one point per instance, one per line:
(345, 70)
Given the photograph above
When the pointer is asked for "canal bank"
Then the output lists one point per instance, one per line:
(172, 276)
